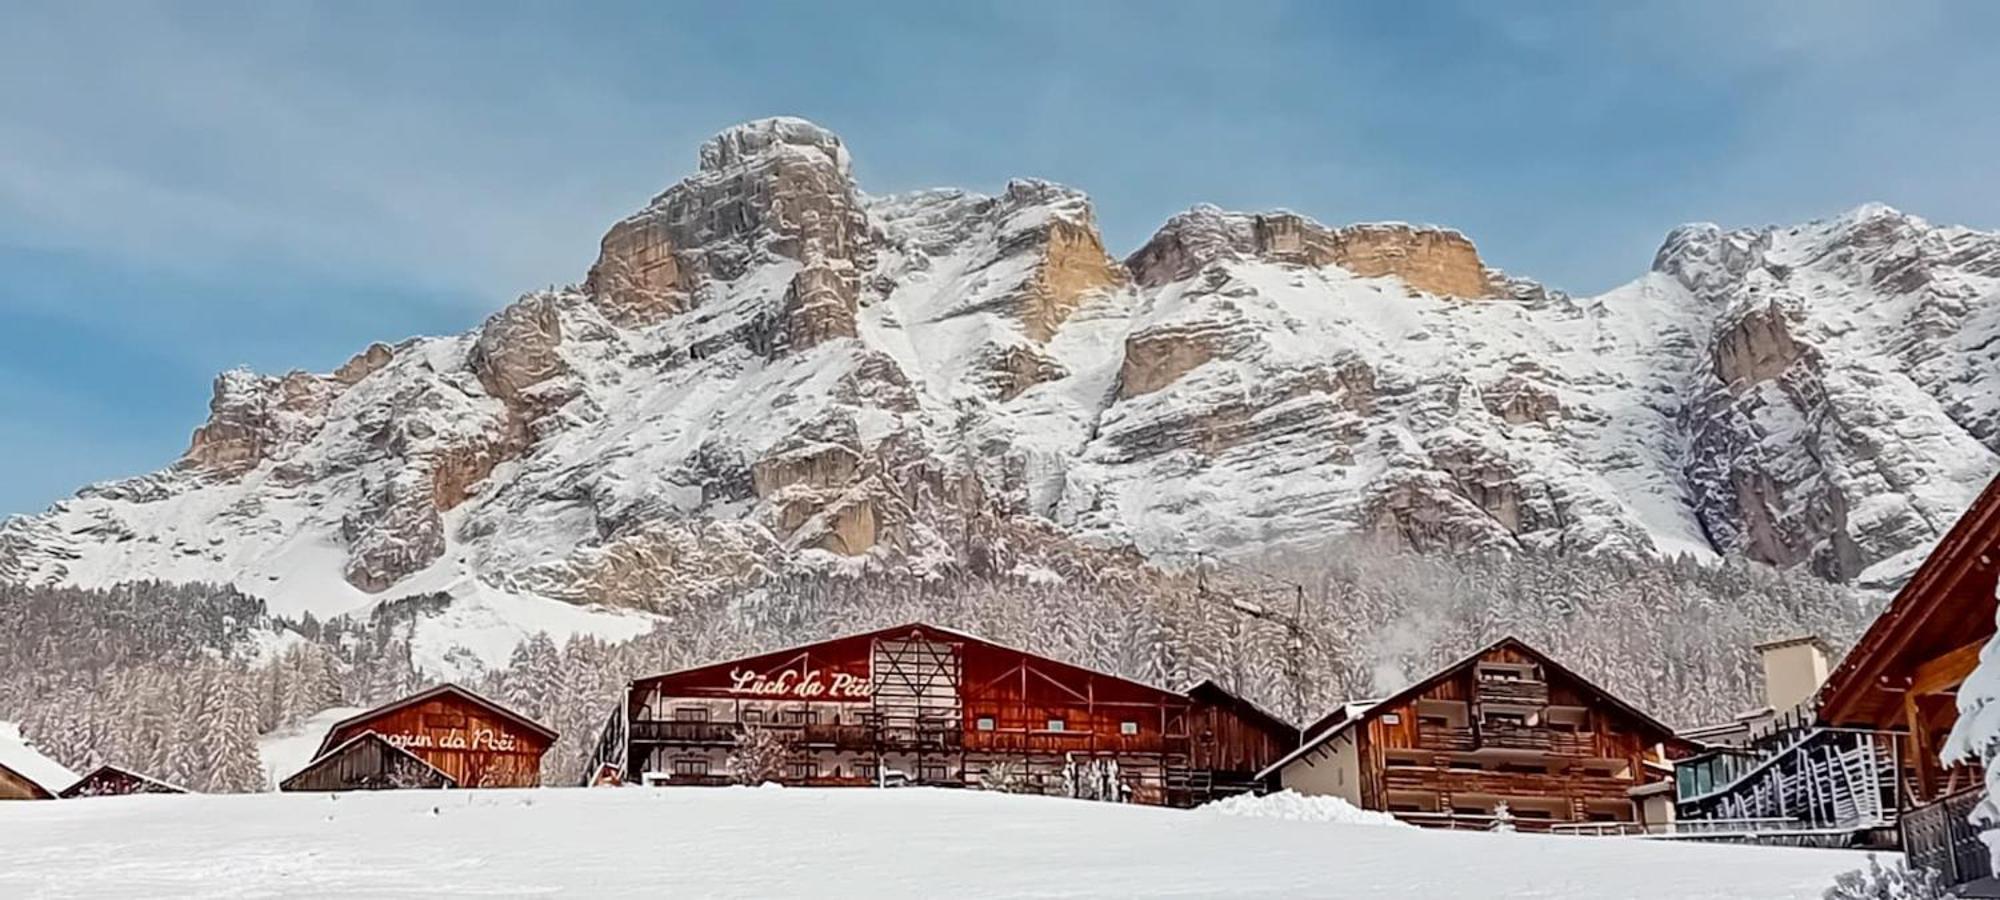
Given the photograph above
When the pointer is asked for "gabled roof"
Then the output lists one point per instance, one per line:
(923, 629)
(372, 737)
(441, 690)
(1407, 694)
(110, 771)
(1935, 612)
(21, 758)
(1208, 691)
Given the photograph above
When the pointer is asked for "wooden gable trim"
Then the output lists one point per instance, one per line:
(445, 689)
(369, 736)
(1957, 554)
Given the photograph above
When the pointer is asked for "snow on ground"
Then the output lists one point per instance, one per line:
(733, 842)
(1293, 806)
(287, 750)
(21, 758)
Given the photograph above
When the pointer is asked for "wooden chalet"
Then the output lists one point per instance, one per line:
(112, 781)
(473, 741)
(1506, 725)
(921, 704)
(367, 762)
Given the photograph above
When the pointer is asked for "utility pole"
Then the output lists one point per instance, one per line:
(1294, 625)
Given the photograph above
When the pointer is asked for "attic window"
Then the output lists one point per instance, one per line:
(1055, 725)
(1128, 728)
(983, 723)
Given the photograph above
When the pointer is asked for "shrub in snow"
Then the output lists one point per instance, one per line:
(1007, 777)
(1976, 734)
(1296, 807)
(759, 756)
(1891, 883)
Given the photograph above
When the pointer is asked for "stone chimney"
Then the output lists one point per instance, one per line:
(1794, 668)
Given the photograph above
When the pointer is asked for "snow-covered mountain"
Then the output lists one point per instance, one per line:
(767, 368)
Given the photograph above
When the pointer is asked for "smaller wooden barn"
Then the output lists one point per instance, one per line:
(367, 762)
(112, 781)
(468, 739)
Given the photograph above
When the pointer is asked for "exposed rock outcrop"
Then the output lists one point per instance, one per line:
(1432, 260)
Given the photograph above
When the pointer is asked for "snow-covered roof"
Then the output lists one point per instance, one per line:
(21, 758)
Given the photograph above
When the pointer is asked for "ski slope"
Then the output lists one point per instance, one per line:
(774, 842)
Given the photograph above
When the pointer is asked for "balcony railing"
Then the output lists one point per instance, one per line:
(1514, 737)
(1939, 836)
(684, 732)
(1521, 693)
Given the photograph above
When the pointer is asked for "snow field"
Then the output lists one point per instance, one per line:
(732, 842)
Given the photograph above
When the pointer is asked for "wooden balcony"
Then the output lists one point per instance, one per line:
(1515, 737)
(1444, 738)
(1514, 693)
(684, 732)
(849, 737)
(1518, 784)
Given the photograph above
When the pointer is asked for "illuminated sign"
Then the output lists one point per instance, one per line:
(793, 684)
(486, 739)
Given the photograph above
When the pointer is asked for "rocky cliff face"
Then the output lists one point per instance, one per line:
(767, 369)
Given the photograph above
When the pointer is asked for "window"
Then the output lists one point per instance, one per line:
(753, 716)
(1128, 728)
(805, 769)
(690, 767)
(1517, 719)
(1056, 725)
(690, 713)
(983, 723)
(933, 773)
(1392, 719)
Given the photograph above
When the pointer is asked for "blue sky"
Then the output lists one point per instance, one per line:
(187, 187)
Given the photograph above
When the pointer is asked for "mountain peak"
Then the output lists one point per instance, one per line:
(741, 144)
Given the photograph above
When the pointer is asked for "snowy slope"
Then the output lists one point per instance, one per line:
(285, 751)
(738, 842)
(767, 369)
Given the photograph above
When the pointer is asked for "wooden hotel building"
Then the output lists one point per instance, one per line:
(1506, 725)
(920, 704)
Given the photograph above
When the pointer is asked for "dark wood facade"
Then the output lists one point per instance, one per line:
(475, 742)
(112, 781)
(367, 762)
(16, 786)
(1505, 726)
(926, 705)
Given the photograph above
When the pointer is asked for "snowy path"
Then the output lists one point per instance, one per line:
(833, 843)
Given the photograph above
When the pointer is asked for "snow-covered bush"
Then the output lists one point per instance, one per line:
(1006, 776)
(1976, 734)
(1878, 882)
(759, 756)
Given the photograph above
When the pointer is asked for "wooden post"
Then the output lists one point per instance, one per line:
(1920, 747)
